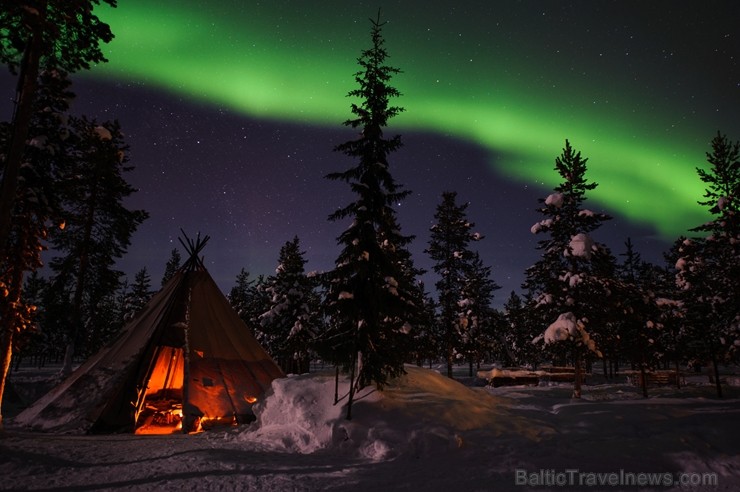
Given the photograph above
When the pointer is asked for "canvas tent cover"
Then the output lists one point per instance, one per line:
(187, 342)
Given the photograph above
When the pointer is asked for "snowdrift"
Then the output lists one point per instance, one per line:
(415, 415)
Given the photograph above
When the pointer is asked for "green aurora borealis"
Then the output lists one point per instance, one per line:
(630, 92)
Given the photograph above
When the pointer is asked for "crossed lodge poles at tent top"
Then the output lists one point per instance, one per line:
(186, 361)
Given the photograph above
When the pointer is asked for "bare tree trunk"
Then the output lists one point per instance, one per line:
(351, 396)
(678, 375)
(643, 380)
(577, 375)
(715, 370)
(336, 385)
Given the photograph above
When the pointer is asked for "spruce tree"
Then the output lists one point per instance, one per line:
(250, 300)
(519, 332)
(636, 330)
(293, 315)
(105, 321)
(172, 266)
(239, 295)
(449, 250)
(371, 294)
(566, 289)
(427, 334)
(709, 266)
(478, 321)
(675, 342)
(664, 315)
(31, 340)
(98, 226)
(139, 295)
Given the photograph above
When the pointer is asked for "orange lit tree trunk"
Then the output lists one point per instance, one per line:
(5, 357)
(10, 319)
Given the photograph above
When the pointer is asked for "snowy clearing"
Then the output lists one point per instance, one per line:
(425, 432)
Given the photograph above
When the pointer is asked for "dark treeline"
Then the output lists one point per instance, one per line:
(370, 314)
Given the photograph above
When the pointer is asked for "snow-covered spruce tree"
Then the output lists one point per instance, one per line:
(633, 330)
(664, 314)
(36, 37)
(250, 299)
(517, 336)
(709, 266)
(240, 295)
(293, 316)
(98, 225)
(371, 293)
(449, 249)
(675, 344)
(172, 266)
(477, 320)
(565, 290)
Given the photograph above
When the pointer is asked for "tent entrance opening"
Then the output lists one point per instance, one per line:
(160, 409)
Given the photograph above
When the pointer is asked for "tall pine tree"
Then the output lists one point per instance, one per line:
(371, 296)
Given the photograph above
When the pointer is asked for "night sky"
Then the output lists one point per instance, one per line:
(232, 109)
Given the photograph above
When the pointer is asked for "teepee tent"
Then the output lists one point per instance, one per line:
(187, 361)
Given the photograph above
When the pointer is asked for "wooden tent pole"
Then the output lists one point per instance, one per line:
(187, 419)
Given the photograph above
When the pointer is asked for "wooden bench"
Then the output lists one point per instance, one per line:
(509, 377)
(561, 374)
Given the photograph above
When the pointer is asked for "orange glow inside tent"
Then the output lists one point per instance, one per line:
(160, 410)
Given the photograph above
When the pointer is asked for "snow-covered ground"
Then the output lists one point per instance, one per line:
(425, 432)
